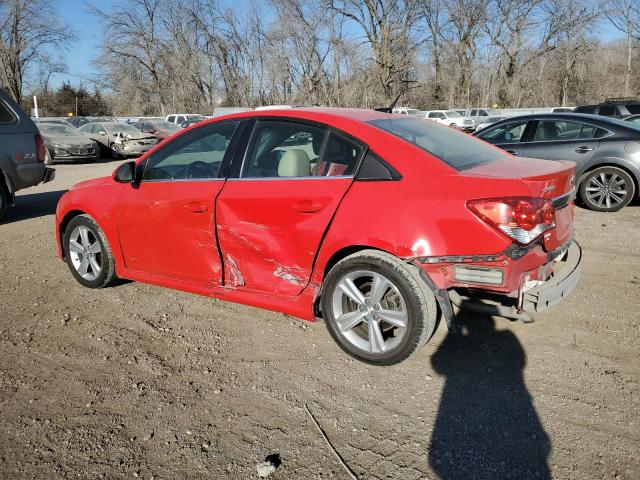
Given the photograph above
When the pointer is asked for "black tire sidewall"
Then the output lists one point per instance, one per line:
(412, 333)
(102, 279)
(4, 201)
(631, 188)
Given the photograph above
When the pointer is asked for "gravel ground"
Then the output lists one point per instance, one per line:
(140, 381)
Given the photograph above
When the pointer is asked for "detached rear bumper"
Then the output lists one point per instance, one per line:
(564, 278)
(49, 174)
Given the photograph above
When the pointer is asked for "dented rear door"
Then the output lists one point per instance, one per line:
(271, 220)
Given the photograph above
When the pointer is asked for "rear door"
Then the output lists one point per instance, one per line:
(273, 215)
(565, 140)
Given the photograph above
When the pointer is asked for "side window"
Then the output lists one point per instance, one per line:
(339, 158)
(198, 155)
(473, 113)
(589, 132)
(433, 115)
(283, 149)
(483, 113)
(171, 118)
(99, 130)
(607, 110)
(506, 133)
(550, 130)
(6, 115)
(589, 109)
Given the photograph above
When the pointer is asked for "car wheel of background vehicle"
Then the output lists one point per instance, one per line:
(607, 189)
(88, 253)
(4, 201)
(114, 153)
(377, 308)
(48, 160)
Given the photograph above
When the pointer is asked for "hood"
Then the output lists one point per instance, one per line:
(95, 182)
(546, 178)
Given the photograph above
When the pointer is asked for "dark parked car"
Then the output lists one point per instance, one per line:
(22, 152)
(606, 151)
(65, 144)
(78, 121)
(612, 107)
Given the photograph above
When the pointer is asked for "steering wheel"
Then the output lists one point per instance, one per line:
(199, 169)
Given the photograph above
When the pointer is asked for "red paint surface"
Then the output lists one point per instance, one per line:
(277, 236)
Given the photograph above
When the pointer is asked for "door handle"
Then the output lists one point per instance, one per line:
(512, 152)
(584, 149)
(196, 207)
(307, 206)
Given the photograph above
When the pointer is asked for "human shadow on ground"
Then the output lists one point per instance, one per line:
(487, 426)
(33, 205)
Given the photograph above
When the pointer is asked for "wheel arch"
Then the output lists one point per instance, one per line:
(70, 215)
(612, 163)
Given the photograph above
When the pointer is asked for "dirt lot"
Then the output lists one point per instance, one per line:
(139, 381)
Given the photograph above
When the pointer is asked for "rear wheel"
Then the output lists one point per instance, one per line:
(607, 189)
(377, 308)
(88, 253)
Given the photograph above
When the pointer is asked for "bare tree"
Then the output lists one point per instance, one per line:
(625, 16)
(27, 29)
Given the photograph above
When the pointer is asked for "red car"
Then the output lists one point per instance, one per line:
(381, 225)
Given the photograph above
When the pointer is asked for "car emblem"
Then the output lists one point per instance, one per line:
(549, 188)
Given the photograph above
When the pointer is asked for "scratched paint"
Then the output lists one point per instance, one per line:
(293, 275)
(235, 275)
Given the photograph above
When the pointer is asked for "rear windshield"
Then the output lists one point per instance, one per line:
(457, 149)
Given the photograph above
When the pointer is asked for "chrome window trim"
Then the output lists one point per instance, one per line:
(314, 177)
(181, 180)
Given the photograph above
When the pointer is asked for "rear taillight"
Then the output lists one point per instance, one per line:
(522, 219)
(40, 148)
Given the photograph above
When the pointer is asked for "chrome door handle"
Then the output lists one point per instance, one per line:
(512, 152)
(584, 149)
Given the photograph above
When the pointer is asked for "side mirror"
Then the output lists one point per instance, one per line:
(508, 136)
(125, 173)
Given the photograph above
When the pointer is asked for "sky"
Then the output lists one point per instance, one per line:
(84, 50)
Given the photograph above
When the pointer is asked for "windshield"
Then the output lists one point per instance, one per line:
(457, 149)
(56, 130)
(452, 113)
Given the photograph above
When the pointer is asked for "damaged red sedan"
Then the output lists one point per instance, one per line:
(381, 225)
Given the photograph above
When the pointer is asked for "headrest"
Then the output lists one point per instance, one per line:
(294, 163)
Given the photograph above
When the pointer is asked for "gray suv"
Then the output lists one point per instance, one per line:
(22, 152)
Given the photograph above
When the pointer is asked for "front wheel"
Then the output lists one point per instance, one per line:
(607, 189)
(377, 308)
(88, 254)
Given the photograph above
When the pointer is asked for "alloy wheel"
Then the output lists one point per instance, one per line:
(606, 190)
(369, 311)
(85, 253)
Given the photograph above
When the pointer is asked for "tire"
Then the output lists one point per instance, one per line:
(607, 189)
(406, 300)
(4, 200)
(85, 272)
(114, 154)
(48, 159)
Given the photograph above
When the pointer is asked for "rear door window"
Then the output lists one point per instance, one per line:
(607, 110)
(634, 108)
(6, 114)
(553, 130)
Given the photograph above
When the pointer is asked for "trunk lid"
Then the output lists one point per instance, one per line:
(549, 179)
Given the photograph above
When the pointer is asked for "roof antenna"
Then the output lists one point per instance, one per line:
(390, 108)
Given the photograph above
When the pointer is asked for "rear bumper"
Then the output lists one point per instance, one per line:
(564, 278)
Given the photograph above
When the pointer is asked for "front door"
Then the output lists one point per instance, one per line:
(272, 218)
(166, 225)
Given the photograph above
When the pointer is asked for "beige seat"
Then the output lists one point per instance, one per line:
(294, 163)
